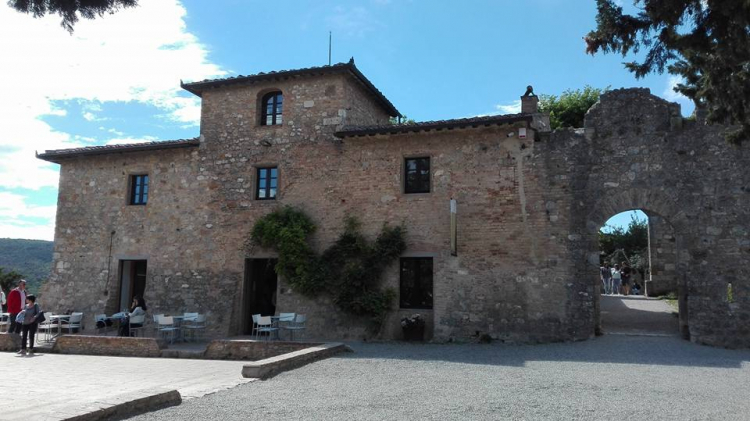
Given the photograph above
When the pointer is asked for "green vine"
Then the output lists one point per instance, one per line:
(349, 271)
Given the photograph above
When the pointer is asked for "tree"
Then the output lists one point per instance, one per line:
(569, 109)
(633, 242)
(70, 9)
(9, 279)
(706, 42)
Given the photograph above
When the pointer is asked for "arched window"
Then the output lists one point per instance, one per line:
(272, 105)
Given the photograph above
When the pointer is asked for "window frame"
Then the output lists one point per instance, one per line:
(268, 181)
(277, 108)
(416, 189)
(138, 198)
(418, 283)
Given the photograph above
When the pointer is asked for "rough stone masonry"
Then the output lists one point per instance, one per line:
(529, 205)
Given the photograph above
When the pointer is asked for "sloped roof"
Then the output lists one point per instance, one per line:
(459, 123)
(56, 155)
(198, 88)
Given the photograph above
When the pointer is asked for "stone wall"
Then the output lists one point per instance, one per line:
(687, 174)
(528, 214)
(663, 257)
(108, 345)
(251, 350)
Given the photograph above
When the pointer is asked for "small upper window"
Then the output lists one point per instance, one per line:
(417, 175)
(272, 106)
(267, 183)
(139, 189)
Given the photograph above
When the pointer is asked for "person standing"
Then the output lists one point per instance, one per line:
(605, 274)
(626, 272)
(616, 280)
(29, 325)
(16, 300)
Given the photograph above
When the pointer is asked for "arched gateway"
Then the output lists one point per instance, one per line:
(635, 152)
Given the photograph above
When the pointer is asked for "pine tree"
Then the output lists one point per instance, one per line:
(706, 42)
(70, 9)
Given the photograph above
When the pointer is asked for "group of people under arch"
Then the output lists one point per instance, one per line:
(618, 280)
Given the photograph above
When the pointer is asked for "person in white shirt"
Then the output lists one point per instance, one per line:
(616, 279)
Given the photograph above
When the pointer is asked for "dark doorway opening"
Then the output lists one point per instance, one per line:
(259, 294)
(132, 281)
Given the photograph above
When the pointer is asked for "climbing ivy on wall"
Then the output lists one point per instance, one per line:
(349, 271)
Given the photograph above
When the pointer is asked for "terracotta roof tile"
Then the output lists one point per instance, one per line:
(198, 88)
(459, 123)
(56, 155)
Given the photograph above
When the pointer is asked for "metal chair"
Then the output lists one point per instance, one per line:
(140, 321)
(254, 332)
(265, 325)
(73, 323)
(166, 326)
(298, 325)
(197, 324)
(47, 326)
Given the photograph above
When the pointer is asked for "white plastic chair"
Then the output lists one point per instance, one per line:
(74, 322)
(254, 332)
(198, 323)
(156, 323)
(265, 325)
(298, 325)
(47, 326)
(136, 320)
(166, 326)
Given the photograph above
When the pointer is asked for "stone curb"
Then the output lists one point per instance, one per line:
(124, 406)
(269, 367)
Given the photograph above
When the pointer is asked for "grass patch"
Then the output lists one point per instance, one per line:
(671, 299)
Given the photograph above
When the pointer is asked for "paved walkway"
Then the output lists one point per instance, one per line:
(45, 385)
(638, 315)
(612, 377)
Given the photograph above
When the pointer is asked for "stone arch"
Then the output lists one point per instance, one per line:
(637, 152)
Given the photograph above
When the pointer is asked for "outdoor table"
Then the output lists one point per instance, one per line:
(59, 318)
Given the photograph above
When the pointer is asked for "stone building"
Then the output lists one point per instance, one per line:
(171, 219)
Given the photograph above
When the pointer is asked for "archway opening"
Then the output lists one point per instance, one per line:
(638, 288)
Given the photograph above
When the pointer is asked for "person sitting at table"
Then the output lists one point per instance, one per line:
(136, 309)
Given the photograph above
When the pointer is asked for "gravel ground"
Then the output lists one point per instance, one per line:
(609, 378)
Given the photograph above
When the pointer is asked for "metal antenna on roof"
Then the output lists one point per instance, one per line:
(329, 48)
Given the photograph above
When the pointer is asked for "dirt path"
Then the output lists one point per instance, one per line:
(636, 315)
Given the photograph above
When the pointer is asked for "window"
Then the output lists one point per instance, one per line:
(417, 175)
(272, 105)
(267, 183)
(416, 282)
(139, 189)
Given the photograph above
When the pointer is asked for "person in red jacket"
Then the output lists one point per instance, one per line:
(16, 301)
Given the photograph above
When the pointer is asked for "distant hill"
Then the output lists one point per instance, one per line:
(31, 258)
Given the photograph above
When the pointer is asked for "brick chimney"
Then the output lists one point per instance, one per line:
(529, 101)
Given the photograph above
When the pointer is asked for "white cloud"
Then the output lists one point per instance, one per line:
(14, 214)
(669, 93)
(509, 108)
(135, 55)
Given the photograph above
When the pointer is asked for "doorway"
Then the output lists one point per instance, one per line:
(132, 281)
(259, 292)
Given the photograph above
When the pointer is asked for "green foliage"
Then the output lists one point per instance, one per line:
(703, 42)
(8, 280)
(404, 120)
(30, 258)
(70, 9)
(568, 109)
(633, 241)
(349, 270)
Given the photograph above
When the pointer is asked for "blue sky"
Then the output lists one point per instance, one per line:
(116, 79)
